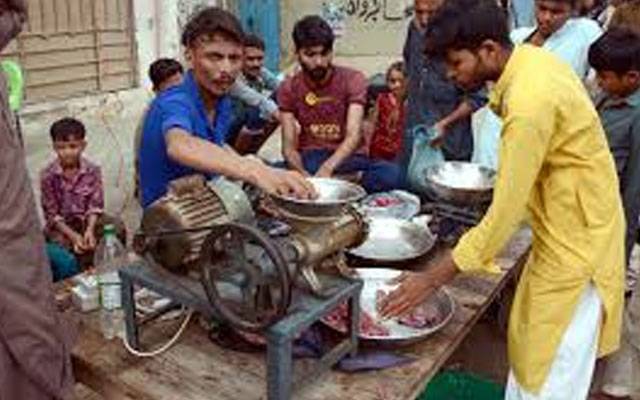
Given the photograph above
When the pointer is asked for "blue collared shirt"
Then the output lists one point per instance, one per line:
(177, 107)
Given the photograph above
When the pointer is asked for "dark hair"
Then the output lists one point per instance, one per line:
(617, 50)
(396, 66)
(312, 31)
(252, 40)
(67, 129)
(466, 24)
(210, 21)
(162, 69)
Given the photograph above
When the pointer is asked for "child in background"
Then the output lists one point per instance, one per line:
(616, 59)
(165, 73)
(72, 198)
(390, 116)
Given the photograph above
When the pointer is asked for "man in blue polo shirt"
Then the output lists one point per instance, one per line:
(185, 129)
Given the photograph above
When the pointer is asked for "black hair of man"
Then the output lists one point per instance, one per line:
(67, 129)
(313, 31)
(466, 25)
(162, 69)
(211, 21)
(617, 50)
(256, 41)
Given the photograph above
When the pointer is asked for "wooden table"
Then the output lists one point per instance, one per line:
(196, 369)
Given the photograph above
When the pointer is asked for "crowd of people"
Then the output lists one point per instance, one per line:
(553, 105)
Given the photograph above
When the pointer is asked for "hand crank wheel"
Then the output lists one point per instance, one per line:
(245, 276)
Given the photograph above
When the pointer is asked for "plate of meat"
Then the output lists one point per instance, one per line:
(425, 320)
(395, 204)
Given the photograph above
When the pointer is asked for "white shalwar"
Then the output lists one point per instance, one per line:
(572, 369)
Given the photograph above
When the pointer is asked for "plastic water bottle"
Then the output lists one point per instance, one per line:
(109, 257)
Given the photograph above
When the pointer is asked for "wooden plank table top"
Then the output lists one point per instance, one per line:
(197, 369)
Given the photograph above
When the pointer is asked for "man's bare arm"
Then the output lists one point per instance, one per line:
(290, 143)
(204, 156)
(463, 110)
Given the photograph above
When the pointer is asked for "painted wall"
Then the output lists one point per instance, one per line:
(261, 17)
(373, 30)
(159, 25)
(111, 118)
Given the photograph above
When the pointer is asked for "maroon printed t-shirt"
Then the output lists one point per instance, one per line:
(321, 110)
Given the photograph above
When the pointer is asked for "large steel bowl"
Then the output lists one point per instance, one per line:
(394, 240)
(462, 183)
(333, 196)
(376, 279)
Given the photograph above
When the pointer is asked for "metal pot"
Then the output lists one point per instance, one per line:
(395, 240)
(462, 183)
(376, 279)
(333, 196)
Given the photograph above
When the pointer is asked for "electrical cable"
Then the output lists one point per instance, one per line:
(163, 348)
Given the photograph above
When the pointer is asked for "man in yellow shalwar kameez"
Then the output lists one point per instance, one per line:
(557, 174)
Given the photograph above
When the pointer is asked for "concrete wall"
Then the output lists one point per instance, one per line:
(373, 35)
(111, 118)
(159, 24)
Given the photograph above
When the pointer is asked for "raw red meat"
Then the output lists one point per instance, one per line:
(424, 316)
(386, 201)
(338, 320)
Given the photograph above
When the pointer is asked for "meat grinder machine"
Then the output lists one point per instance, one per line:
(206, 245)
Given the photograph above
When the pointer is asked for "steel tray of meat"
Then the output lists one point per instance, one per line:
(429, 318)
(392, 240)
(393, 204)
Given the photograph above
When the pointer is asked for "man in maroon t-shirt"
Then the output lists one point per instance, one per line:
(327, 101)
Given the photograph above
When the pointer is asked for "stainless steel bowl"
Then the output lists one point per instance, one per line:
(393, 204)
(376, 279)
(333, 195)
(395, 240)
(462, 183)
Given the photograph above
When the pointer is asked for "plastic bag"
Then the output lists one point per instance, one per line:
(422, 156)
(486, 137)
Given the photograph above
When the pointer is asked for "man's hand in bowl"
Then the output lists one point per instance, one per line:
(415, 288)
(283, 182)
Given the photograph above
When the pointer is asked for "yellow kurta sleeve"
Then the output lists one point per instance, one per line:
(525, 138)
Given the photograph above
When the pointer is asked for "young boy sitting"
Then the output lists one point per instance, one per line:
(616, 59)
(72, 195)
